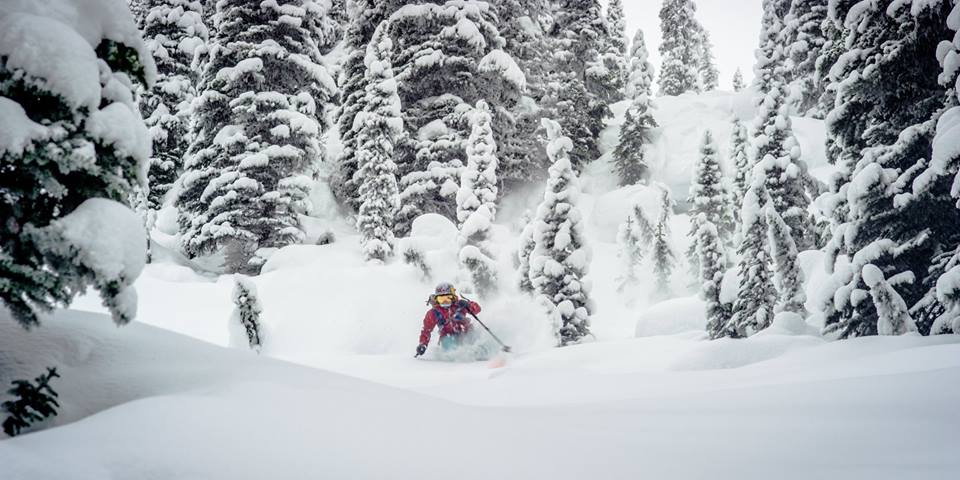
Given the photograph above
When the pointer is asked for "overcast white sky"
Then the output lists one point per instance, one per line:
(734, 27)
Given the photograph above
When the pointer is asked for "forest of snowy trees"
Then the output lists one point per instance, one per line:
(446, 107)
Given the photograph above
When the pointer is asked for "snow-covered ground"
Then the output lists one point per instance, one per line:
(336, 393)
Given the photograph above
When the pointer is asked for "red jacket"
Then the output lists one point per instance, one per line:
(453, 320)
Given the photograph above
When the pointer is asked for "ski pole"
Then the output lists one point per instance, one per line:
(505, 347)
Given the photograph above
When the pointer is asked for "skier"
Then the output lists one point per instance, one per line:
(452, 314)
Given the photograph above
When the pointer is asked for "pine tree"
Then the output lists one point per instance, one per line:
(663, 257)
(883, 126)
(680, 48)
(639, 68)
(578, 84)
(712, 261)
(477, 202)
(527, 245)
(630, 155)
(740, 158)
(893, 318)
(804, 40)
(709, 199)
(560, 258)
(437, 89)
(644, 227)
(754, 306)
(768, 70)
(72, 151)
(615, 53)
(941, 305)
(247, 310)
(379, 126)
(630, 253)
(366, 16)
(709, 76)
(785, 175)
(738, 84)
(174, 31)
(260, 118)
(787, 276)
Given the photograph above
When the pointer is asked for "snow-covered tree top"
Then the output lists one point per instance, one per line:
(54, 40)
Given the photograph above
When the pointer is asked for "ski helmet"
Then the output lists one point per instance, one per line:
(445, 288)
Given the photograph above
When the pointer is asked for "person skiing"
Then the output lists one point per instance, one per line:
(452, 314)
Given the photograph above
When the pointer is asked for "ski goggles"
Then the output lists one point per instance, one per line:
(445, 299)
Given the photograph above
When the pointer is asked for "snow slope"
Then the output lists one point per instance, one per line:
(145, 403)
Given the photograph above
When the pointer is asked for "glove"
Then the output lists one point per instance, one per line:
(463, 304)
(421, 349)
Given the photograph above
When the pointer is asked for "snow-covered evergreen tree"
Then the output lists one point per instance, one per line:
(630, 252)
(365, 16)
(709, 75)
(663, 257)
(883, 124)
(438, 88)
(680, 48)
(579, 88)
(757, 297)
(787, 276)
(73, 149)
(784, 174)
(740, 159)
(630, 155)
(527, 245)
(378, 125)
(803, 39)
(712, 260)
(644, 227)
(738, 84)
(709, 199)
(768, 69)
(560, 258)
(174, 31)
(260, 118)
(640, 72)
(246, 312)
(615, 53)
(893, 317)
(477, 202)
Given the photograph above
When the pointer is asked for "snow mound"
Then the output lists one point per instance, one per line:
(673, 316)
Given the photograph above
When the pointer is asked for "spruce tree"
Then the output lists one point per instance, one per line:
(663, 257)
(615, 53)
(578, 83)
(756, 300)
(768, 69)
(380, 126)
(174, 31)
(941, 180)
(784, 174)
(630, 155)
(630, 253)
(712, 261)
(709, 199)
(680, 49)
(738, 84)
(437, 89)
(709, 76)
(560, 258)
(477, 203)
(787, 276)
(740, 159)
(893, 317)
(260, 119)
(365, 16)
(803, 39)
(527, 245)
(639, 69)
(73, 147)
(33, 403)
(883, 126)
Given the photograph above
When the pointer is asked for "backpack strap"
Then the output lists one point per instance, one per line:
(439, 316)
